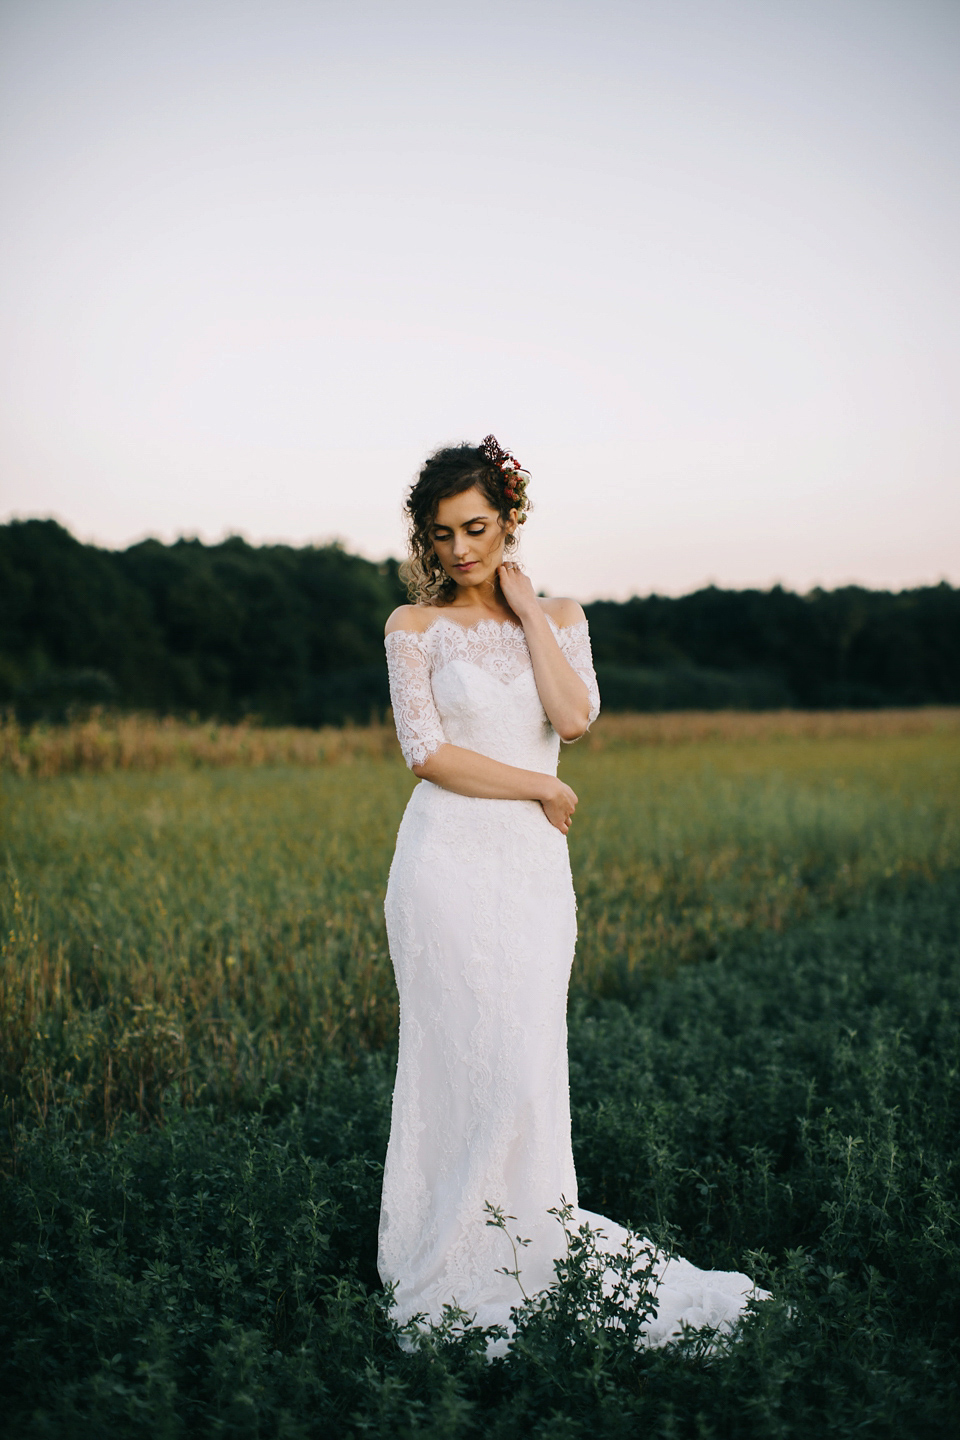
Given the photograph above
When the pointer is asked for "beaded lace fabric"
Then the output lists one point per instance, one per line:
(481, 922)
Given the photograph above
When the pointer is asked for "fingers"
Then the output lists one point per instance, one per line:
(559, 809)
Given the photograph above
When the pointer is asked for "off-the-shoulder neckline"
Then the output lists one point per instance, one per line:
(481, 624)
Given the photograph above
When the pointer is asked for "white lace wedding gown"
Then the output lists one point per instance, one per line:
(481, 921)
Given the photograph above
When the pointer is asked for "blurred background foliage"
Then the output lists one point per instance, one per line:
(291, 635)
(294, 636)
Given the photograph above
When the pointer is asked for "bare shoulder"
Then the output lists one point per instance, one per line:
(564, 612)
(413, 618)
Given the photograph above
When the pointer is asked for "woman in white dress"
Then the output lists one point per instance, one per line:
(486, 679)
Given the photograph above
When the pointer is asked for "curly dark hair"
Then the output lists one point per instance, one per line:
(450, 471)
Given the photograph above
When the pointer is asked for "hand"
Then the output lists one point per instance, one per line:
(517, 589)
(559, 803)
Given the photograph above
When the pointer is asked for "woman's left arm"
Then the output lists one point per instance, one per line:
(563, 694)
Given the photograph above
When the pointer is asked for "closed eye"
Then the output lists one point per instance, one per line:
(448, 534)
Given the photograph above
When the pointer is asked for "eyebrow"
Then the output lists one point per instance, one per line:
(438, 525)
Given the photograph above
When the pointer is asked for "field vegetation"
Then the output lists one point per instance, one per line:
(103, 741)
(197, 1036)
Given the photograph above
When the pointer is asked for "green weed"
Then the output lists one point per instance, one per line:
(197, 1041)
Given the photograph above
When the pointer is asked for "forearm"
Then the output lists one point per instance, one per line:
(465, 772)
(563, 694)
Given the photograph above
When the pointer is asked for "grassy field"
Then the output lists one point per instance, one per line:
(197, 1022)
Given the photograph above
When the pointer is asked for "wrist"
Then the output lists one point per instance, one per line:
(543, 786)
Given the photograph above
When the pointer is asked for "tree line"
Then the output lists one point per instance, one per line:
(294, 635)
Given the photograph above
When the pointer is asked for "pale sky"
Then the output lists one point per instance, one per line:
(693, 261)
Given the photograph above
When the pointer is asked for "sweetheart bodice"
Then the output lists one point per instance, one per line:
(475, 687)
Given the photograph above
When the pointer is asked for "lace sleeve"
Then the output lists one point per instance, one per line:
(574, 642)
(415, 715)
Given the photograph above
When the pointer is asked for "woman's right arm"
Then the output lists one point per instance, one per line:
(465, 772)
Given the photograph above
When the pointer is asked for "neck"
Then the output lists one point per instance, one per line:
(486, 596)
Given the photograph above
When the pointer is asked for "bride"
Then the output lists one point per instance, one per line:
(486, 679)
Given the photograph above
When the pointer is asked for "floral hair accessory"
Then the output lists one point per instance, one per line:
(514, 475)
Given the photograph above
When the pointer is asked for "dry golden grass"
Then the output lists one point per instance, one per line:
(102, 743)
(105, 743)
(685, 727)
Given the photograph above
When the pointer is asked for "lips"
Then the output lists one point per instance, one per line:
(468, 566)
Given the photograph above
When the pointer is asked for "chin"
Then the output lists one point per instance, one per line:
(473, 578)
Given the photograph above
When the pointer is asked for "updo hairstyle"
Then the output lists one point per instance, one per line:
(451, 471)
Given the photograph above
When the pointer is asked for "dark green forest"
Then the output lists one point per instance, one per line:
(294, 635)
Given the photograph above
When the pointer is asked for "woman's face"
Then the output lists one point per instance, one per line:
(468, 537)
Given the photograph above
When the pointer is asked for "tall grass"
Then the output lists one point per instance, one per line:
(217, 930)
(103, 743)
